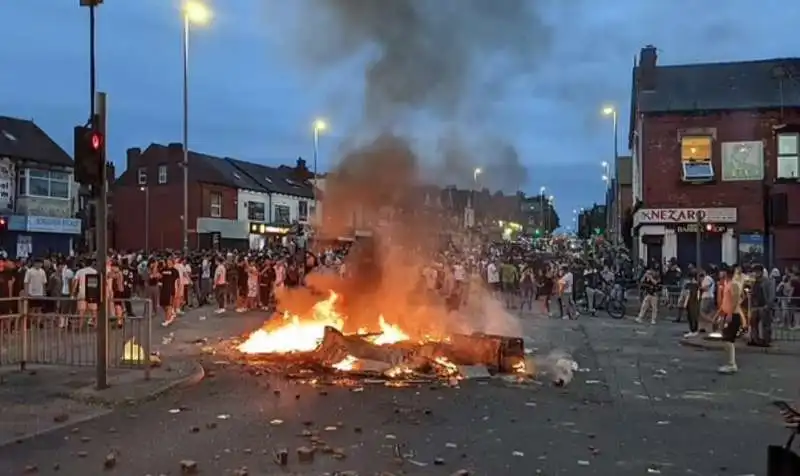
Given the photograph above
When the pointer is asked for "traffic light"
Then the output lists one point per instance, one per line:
(3, 224)
(537, 232)
(89, 156)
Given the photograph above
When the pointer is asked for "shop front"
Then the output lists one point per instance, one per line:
(686, 234)
(29, 236)
(264, 235)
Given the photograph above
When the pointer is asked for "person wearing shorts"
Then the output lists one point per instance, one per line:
(169, 282)
(730, 311)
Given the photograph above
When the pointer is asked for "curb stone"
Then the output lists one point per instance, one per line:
(774, 350)
(106, 406)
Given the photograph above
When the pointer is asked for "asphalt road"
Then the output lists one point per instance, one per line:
(640, 405)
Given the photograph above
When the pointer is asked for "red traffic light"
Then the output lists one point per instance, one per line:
(96, 141)
(2, 222)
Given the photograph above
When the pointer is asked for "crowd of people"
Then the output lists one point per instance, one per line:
(547, 276)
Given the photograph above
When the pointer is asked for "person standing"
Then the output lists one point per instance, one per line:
(220, 285)
(692, 304)
(731, 315)
(566, 283)
(760, 316)
(650, 290)
(169, 284)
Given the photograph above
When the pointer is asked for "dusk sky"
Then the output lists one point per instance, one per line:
(255, 87)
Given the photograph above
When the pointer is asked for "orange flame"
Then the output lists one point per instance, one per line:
(297, 334)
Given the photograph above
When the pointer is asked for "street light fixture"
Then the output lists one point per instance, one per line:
(199, 14)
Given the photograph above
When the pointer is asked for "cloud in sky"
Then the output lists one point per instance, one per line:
(252, 98)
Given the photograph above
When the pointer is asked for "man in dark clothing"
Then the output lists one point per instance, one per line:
(128, 278)
(760, 317)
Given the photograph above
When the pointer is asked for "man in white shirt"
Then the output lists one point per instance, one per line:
(707, 307)
(35, 285)
(185, 270)
(493, 276)
(205, 282)
(565, 283)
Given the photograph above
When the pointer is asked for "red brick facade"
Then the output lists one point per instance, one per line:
(165, 203)
(661, 171)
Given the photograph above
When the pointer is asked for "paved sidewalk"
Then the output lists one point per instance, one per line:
(44, 398)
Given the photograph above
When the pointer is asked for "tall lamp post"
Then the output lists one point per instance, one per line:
(612, 111)
(197, 13)
(146, 191)
(542, 189)
(319, 127)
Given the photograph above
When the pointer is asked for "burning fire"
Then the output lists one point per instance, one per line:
(296, 334)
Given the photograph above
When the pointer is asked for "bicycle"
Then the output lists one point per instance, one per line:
(782, 460)
(612, 301)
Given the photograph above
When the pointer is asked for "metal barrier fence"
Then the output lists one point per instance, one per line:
(785, 312)
(63, 331)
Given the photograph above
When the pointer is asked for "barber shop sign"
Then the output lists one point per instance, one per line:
(674, 216)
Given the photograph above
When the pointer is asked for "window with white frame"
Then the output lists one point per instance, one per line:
(162, 174)
(789, 156)
(43, 183)
(142, 176)
(215, 208)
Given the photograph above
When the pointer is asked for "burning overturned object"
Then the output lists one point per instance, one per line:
(318, 344)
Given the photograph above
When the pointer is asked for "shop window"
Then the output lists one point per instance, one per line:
(788, 156)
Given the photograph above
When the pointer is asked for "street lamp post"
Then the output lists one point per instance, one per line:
(319, 126)
(198, 13)
(550, 206)
(612, 111)
(541, 206)
(146, 191)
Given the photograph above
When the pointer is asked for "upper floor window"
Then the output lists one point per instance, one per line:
(142, 176)
(789, 156)
(215, 208)
(696, 163)
(283, 215)
(695, 148)
(44, 183)
(162, 174)
(256, 211)
(302, 210)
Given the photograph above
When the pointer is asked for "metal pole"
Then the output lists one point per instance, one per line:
(613, 164)
(102, 251)
(697, 244)
(316, 154)
(92, 61)
(185, 133)
(147, 219)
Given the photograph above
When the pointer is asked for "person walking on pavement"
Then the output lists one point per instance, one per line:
(650, 290)
(692, 304)
(220, 285)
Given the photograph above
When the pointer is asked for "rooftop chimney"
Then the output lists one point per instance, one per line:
(648, 58)
(133, 155)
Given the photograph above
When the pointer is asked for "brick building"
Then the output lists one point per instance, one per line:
(231, 203)
(715, 149)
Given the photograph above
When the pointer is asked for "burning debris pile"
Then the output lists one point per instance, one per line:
(317, 347)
